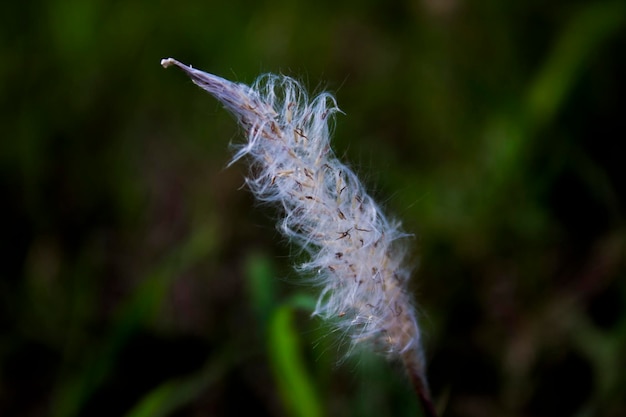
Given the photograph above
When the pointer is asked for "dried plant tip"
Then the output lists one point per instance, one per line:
(168, 62)
(356, 254)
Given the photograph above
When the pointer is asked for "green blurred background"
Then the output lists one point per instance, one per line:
(139, 279)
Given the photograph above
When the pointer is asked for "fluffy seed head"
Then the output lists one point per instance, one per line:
(355, 255)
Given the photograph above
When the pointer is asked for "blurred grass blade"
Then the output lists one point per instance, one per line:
(294, 383)
(261, 286)
(174, 394)
(77, 389)
(510, 135)
(588, 29)
(302, 301)
(141, 307)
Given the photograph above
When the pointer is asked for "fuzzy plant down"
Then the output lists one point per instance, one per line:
(357, 256)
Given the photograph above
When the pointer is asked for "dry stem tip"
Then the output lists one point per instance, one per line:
(168, 62)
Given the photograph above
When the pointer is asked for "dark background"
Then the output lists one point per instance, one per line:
(139, 279)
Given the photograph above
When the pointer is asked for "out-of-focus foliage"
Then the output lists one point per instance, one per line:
(139, 279)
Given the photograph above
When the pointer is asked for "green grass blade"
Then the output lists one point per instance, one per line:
(294, 383)
(587, 30)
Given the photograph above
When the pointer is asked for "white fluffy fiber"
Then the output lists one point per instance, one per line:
(355, 255)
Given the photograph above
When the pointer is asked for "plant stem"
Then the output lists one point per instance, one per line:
(420, 385)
